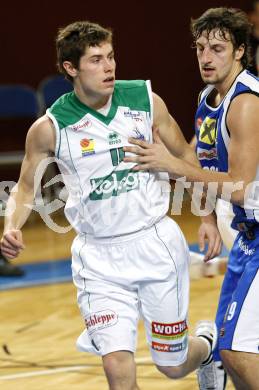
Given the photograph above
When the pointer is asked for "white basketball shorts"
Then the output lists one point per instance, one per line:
(122, 278)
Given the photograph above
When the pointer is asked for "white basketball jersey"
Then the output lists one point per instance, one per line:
(106, 197)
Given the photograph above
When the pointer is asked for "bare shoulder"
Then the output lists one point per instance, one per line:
(159, 104)
(160, 110)
(162, 115)
(41, 135)
(244, 106)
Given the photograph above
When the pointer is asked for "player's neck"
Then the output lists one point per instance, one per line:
(94, 101)
(224, 86)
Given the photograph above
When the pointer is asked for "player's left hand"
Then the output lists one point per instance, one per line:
(155, 157)
(208, 231)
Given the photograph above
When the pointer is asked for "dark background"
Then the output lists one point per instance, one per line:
(151, 42)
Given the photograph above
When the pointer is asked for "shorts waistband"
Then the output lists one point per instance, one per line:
(125, 237)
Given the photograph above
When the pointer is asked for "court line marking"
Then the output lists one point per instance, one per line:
(43, 372)
(145, 359)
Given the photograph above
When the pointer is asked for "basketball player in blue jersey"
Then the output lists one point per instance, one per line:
(227, 115)
(128, 258)
(224, 215)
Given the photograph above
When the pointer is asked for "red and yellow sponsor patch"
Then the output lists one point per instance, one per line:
(87, 146)
(169, 331)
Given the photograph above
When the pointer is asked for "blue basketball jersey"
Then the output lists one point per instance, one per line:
(213, 138)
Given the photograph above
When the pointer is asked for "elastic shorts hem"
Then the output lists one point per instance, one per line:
(117, 349)
(169, 363)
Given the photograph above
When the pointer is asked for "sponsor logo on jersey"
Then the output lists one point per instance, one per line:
(114, 184)
(100, 319)
(208, 131)
(87, 147)
(138, 135)
(135, 115)
(199, 123)
(204, 154)
(85, 124)
(245, 248)
(114, 138)
(169, 331)
(167, 347)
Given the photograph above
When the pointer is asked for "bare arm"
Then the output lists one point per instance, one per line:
(40, 143)
(193, 142)
(205, 229)
(170, 143)
(170, 133)
(166, 132)
(242, 121)
(172, 136)
(243, 154)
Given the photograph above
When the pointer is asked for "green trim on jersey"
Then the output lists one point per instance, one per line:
(68, 109)
(132, 94)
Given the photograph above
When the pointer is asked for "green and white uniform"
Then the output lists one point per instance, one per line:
(128, 258)
(107, 198)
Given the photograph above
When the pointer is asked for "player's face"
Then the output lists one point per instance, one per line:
(96, 73)
(218, 60)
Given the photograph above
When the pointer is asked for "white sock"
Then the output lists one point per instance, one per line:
(208, 343)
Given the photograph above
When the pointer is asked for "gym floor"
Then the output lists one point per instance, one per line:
(40, 323)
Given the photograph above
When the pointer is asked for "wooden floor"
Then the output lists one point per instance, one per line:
(39, 326)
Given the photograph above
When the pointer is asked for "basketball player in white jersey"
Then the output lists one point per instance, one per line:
(128, 259)
(227, 115)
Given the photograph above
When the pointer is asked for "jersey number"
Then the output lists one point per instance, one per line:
(117, 156)
(231, 311)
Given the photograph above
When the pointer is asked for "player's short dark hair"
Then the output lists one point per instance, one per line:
(72, 41)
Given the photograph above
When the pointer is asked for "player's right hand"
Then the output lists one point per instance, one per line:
(12, 243)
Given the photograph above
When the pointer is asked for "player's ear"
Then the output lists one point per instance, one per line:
(70, 69)
(239, 52)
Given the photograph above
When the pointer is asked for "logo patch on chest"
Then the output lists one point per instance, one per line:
(135, 115)
(199, 123)
(204, 154)
(87, 147)
(114, 138)
(85, 124)
(137, 134)
(208, 131)
(114, 184)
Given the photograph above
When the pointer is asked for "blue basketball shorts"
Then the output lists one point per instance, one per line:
(238, 311)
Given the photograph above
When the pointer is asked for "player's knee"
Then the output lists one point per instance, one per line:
(117, 365)
(172, 372)
(228, 359)
(111, 362)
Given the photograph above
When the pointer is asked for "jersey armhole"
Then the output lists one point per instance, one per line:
(150, 96)
(58, 133)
